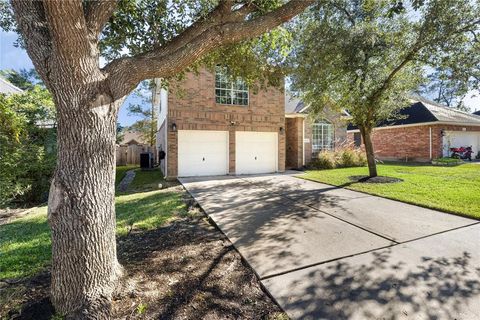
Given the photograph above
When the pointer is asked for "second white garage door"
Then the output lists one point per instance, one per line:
(202, 153)
(256, 152)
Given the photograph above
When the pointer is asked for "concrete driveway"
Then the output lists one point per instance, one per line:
(329, 253)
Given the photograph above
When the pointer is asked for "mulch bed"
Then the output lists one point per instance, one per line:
(184, 270)
(378, 179)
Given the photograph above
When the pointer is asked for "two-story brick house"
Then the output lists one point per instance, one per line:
(210, 125)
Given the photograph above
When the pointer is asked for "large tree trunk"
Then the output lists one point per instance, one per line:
(81, 210)
(367, 141)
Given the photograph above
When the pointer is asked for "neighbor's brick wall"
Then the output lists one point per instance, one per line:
(192, 106)
(410, 143)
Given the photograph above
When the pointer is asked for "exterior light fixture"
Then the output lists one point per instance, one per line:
(282, 129)
(174, 127)
(232, 123)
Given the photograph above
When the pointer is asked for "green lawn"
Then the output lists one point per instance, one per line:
(453, 189)
(120, 173)
(146, 179)
(25, 242)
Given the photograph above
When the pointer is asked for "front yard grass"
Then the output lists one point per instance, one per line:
(25, 246)
(177, 265)
(454, 189)
(120, 172)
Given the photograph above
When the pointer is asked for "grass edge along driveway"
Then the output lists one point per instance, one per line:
(453, 189)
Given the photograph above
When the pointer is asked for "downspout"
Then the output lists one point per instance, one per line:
(166, 133)
(431, 157)
(303, 141)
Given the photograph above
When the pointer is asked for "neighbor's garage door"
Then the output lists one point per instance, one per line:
(256, 152)
(456, 139)
(202, 153)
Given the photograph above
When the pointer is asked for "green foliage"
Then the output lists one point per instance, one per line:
(27, 147)
(340, 158)
(24, 79)
(142, 308)
(139, 26)
(120, 172)
(120, 133)
(448, 188)
(147, 125)
(324, 160)
(367, 56)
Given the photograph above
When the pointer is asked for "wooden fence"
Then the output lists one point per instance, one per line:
(130, 154)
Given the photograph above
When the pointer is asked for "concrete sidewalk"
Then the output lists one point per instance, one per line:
(329, 253)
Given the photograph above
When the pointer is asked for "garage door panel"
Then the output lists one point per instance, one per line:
(202, 153)
(455, 139)
(256, 152)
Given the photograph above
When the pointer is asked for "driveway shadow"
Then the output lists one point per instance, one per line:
(383, 287)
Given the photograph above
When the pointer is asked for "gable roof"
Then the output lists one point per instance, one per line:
(477, 113)
(8, 88)
(132, 137)
(294, 105)
(425, 111)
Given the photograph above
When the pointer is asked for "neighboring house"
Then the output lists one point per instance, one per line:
(477, 113)
(132, 137)
(307, 136)
(129, 149)
(8, 88)
(426, 131)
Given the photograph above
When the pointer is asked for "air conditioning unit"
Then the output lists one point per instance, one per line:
(146, 160)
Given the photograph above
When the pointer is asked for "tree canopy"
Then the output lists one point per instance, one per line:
(368, 56)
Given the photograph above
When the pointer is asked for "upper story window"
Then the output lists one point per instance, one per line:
(322, 136)
(228, 91)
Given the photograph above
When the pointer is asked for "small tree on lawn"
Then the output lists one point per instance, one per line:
(367, 56)
(147, 125)
(140, 40)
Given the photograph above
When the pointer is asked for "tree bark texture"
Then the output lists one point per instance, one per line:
(367, 141)
(81, 212)
(61, 38)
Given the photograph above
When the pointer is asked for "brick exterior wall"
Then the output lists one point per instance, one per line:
(411, 143)
(294, 140)
(192, 106)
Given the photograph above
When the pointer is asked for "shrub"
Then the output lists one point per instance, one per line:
(324, 160)
(27, 151)
(341, 158)
(346, 158)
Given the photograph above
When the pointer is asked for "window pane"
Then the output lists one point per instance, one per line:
(322, 136)
(228, 91)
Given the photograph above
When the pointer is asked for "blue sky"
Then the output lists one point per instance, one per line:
(15, 58)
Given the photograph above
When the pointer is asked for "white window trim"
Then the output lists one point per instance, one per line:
(231, 90)
(322, 146)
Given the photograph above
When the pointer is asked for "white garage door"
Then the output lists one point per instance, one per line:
(456, 139)
(256, 152)
(202, 153)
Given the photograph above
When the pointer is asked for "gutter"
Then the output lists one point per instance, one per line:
(465, 124)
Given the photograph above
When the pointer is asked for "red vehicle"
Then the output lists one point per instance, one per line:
(462, 153)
